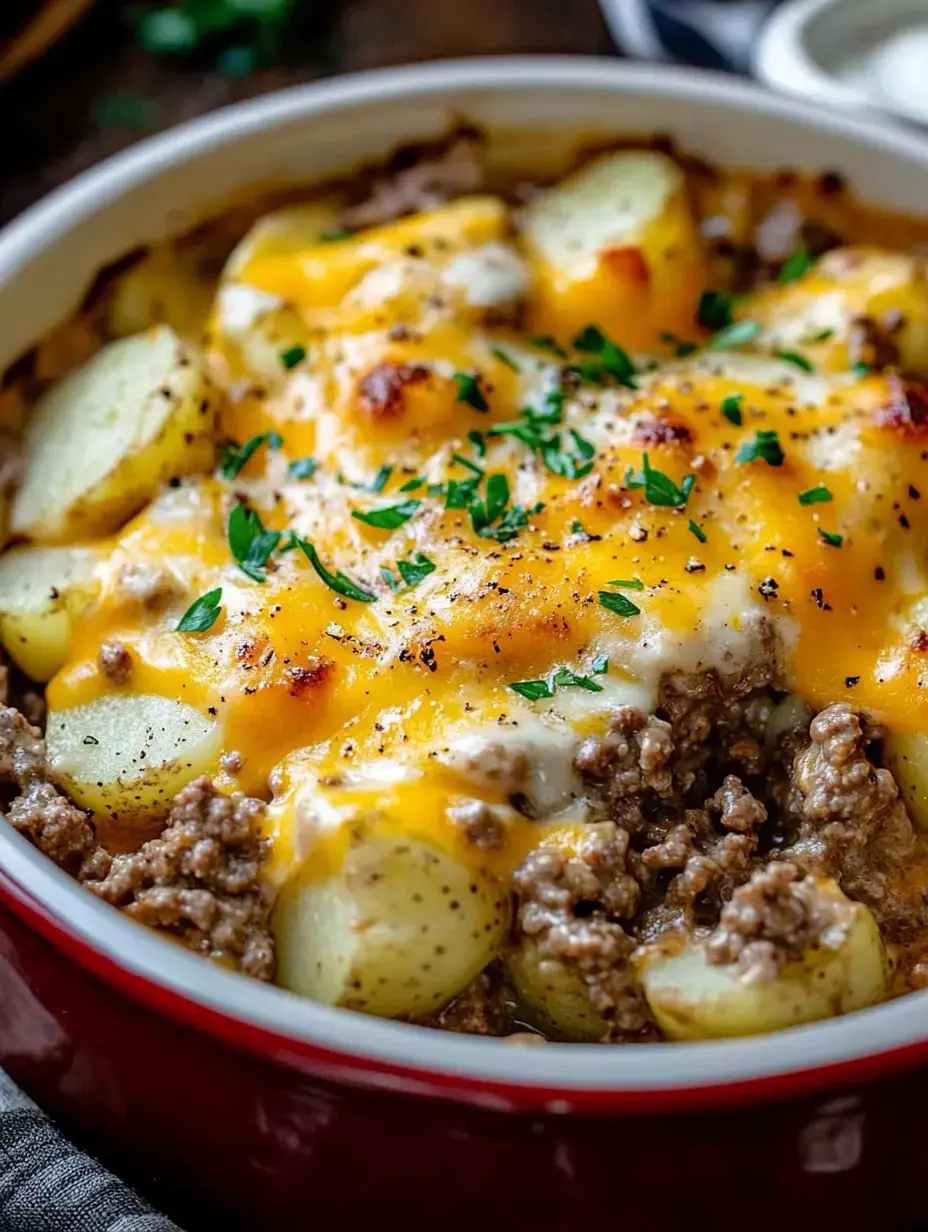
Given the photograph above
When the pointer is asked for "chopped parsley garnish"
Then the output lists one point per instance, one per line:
(338, 582)
(796, 264)
(737, 334)
(731, 409)
(861, 369)
(250, 544)
(822, 336)
(292, 356)
(612, 360)
(336, 233)
(202, 613)
(765, 447)
(390, 578)
(799, 361)
(234, 456)
(302, 468)
(618, 603)
(681, 347)
(600, 665)
(415, 569)
(503, 358)
(380, 480)
(659, 489)
(714, 310)
(815, 496)
(460, 492)
(412, 484)
(545, 342)
(469, 391)
(833, 540)
(568, 464)
(698, 531)
(467, 464)
(627, 583)
(565, 678)
(479, 443)
(390, 517)
(534, 690)
(490, 517)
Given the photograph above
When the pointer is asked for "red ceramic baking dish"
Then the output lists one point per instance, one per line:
(244, 1107)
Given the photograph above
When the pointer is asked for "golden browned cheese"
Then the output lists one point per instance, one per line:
(785, 494)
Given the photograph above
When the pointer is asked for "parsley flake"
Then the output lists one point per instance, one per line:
(546, 342)
(234, 456)
(202, 613)
(660, 489)
(469, 391)
(612, 360)
(797, 360)
(815, 496)
(503, 358)
(765, 447)
(833, 540)
(714, 310)
(738, 333)
(534, 690)
(414, 570)
(292, 356)
(731, 409)
(600, 665)
(479, 443)
(698, 531)
(338, 582)
(627, 583)
(336, 233)
(380, 480)
(250, 544)
(618, 603)
(565, 678)
(796, 264)
(302, 468)
(390, 517)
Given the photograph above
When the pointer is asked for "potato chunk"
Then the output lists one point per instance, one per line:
(101, 441)
(856, 305)
(693, 1000)
(42, 591)
(397, 930)
(284, 231)
(906, 754)
(126, 756)
(616, 244)
(554, 994)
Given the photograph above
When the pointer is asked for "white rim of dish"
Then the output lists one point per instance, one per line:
(627, 1068)
(782, 59)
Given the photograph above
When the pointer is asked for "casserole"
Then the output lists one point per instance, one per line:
(177, 172)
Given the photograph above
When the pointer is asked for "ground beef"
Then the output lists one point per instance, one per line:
(570, 908)
(115, 662)
(148, 585)
(853, 824)
(775, 918)
(200, 880)
(481, 1009)
(423, 186)
(481, 822)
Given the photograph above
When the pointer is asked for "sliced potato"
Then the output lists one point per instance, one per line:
(906, 754)
(255, 331)
(42, 591)
(126, 755)
(101, 441)
(693, 1000)
(616, 243)
(167, 287)
(820, 314)
(399, 929)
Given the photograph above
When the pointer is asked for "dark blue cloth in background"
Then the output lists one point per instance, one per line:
(716, 34)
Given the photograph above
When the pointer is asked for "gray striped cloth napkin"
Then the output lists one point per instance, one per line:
(48, 1186)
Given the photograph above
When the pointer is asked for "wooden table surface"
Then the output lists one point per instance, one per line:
(98, 90)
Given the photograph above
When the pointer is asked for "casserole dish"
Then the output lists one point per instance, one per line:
(246, 1093)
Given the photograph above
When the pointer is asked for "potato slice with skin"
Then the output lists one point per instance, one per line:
(554, 995)
(616, 244)
(906, 755)
(693, 1000)
(42, 591)
(101, 441)
(398, 930)
(125, 756)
